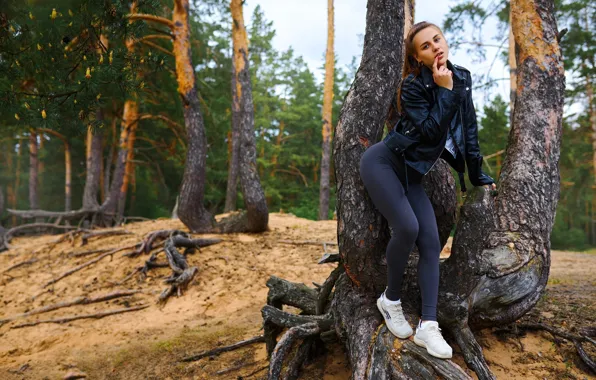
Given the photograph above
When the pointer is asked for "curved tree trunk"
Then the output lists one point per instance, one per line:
(327, 117)
(500, 256)
(256, 217)
(191, 209)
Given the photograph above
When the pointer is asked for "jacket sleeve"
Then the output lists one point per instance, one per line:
(473, 157)
(432, 121)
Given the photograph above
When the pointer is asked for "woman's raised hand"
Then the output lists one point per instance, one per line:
(442, 75)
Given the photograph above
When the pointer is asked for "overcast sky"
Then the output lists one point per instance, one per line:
(302, 24)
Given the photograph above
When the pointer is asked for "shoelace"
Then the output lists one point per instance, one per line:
(435, 332)
(397, 312)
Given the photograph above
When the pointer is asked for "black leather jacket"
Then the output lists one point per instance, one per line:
(428, 113)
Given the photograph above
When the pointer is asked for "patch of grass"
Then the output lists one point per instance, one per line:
(146, 359)
(553, 281)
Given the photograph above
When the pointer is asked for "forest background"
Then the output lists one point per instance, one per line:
(35, 131)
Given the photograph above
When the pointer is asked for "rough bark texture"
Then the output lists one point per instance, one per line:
(512, 70)
(93, 169)
(234, 157)
(501, 255)
(130, 116)
(257, 214)
(327, 117)
(191, 210)
(33, 171)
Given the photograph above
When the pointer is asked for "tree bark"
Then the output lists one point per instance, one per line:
(108, 163)
(512, 69)
(500, 256)
(191, 209)
(33, 171)
(131, 115)
(17, 181)
(93, 169)
(327, 117)
(67, 168)
(257, 214)
(234, 165)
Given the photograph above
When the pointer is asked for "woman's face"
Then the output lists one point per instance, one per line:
(429, 43)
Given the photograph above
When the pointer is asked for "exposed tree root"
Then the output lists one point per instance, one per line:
(282, 292)
(307, 242)
(285, 344)
(182, 274)
(111, 232)
(326, 288)
(10, 233)
(76, 301)
(84, 265)
(20, 264)
(219, 350)
(87, 253)
(577, 340)
(85, 316)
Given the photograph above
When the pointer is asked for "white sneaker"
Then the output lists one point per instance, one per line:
(394, 318)
(430, 337)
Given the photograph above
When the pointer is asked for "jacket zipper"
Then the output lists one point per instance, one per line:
(463, 135)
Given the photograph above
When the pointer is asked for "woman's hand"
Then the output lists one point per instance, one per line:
(442, 75)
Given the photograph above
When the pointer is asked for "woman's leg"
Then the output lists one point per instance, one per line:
(429, 247)
(387, 193)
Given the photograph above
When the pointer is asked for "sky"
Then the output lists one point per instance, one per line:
(302, 24)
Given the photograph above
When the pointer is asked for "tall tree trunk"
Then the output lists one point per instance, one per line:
(17, 181)
(234, 165)
(33, 171)
(67, 168)
(500, 256)
(110, 204)
(243, 114)
(409, 16)
(109, 161)
(327, 117)
(93, 169)
(131, 115)
(512, 69)
(191, 209)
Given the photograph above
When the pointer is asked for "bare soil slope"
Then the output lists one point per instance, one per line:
(222, 306)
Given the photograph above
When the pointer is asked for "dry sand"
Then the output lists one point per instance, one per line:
(222, 306)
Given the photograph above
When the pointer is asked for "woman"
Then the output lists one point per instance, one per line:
(437, 120)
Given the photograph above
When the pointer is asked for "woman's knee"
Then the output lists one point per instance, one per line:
(406, 230)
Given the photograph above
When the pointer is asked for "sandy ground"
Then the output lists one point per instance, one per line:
(222, 306)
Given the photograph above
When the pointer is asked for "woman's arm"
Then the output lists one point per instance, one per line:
(431, 121)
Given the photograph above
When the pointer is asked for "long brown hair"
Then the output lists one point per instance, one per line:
(411, 66)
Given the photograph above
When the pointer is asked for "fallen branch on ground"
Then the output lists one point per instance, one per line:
(219, 350)
(87, 253)
(307, 242)
(76, 301)
(111, 232)
(20, 264)
(235, 368)
(86, 316)
(88, 263)
(12, 231)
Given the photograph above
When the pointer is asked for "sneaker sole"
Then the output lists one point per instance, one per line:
(421, 343)
(403, 336)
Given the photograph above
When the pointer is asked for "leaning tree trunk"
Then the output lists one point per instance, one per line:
(191, 209)
(234, 165)
(256, 217)
(327, 117)
(512, 68)
(500, 256)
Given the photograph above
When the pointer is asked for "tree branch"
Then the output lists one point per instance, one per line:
(151, 18)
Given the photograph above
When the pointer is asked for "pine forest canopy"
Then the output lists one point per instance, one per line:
(66, 67)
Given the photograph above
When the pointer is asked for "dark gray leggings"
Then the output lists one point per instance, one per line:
(412, 220)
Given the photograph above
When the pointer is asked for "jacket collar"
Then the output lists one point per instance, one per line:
(427, 75)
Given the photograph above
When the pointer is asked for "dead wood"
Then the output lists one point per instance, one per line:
(85, 316)
(286, 343)
(87, 253)
(9, 234)
(219, 350)
(84, 265)
(182, 274)
(255, 372)
(307, 242)
(20, 264)
(85, 238)
(77, 301)
(235, 368)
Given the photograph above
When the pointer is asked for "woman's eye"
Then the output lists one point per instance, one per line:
(437, 39)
